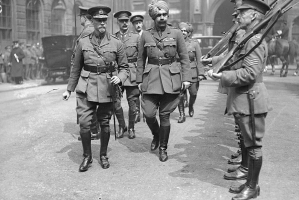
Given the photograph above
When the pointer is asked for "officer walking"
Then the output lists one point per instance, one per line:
(90, 76)
(137, 22)
(161, 78)
(194, 54)
(130, 41)
(247, 97)
(86, 22)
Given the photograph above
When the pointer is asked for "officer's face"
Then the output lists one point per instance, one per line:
(138, 26)
(100, 24)
(161, 18)
(123, 24)
(185, 32)
(245, 18)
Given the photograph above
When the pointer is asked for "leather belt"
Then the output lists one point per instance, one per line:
(97, 69)
(160, 61)
(132, 60)
(190, 59)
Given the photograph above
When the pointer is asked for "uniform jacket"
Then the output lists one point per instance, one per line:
(96, 87)
(27, 59)
(247, 75)
(166, 78)
(16, 67)
(194, 53)
(130, 42)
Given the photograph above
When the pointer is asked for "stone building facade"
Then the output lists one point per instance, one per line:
(30, 20)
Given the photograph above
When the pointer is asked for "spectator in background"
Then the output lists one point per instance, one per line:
(15, 58)
(7, 67)
(27, 62)
(34, 60)
(39, 54)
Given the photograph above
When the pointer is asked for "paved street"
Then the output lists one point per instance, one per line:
(40, 154)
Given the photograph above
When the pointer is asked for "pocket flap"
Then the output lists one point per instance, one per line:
(109, 49)
(84, 73)
(169, 43)
(84, 48)
(151, 44)
(132, 44)
(174, 69)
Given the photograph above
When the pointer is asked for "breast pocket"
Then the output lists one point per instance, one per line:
(191, 54)
(131, 50)
(175, 75)
(109, 53)
(88, 52)
(83, 82)
(169, 48)
(150, 49)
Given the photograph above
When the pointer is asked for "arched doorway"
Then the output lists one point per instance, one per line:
(223, 18)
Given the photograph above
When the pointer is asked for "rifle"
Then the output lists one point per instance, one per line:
(113, 95)
(223, 43)
(267, 23)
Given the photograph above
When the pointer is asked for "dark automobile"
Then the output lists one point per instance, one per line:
(57, 56)
(207, 42)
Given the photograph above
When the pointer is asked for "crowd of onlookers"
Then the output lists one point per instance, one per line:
(21, 61)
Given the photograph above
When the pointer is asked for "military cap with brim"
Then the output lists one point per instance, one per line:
(136, 18)
(235, 13)
(99, 12)
(15, 41)
(83, 10)
(257, 5)
(122, 14)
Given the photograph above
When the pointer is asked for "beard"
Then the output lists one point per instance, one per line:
(162, 24)
(102, 29)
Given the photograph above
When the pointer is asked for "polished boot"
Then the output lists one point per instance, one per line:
(86, 143)
(137, 116)
(163, 136)
(154, 127)
(182, 117)
(244, 157)
(236, 189)
(233, 168)
(191, 103)
(131, 126)
(251, 189)
(235, 161)
(121, 121)
(235, 155)
(186, 103)
(105, 136)
(94, 127)
(240, 174)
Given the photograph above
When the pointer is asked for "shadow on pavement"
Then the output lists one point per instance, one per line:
(203, 154)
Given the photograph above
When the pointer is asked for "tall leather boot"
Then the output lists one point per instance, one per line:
(131, 125)
(137, 116)
(164, 136)
(251, 189)
(191, 103)
(121, 121)
(86, 143)
(182, 117)
(154, 127)
(105, 136)
(186, 103)
(94, 127)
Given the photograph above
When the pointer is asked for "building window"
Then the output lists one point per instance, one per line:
(33, 20)
(77, 21)
(6, 21)
(58, 17)
(138, 5)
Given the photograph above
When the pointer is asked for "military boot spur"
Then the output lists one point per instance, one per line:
(104, 162)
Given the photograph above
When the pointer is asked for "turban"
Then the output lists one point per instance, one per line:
(190, 29)
(184, 25)
(155, 6)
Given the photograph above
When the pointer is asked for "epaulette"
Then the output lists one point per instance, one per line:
(149, 29)
(87, 35)
(134, 32)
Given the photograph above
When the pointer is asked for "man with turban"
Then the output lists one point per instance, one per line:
(161, 77)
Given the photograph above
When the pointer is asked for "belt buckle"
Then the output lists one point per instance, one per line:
(160, 61)
(98, 73)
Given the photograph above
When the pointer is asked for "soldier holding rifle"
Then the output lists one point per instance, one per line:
(247, 95)
(91, 77)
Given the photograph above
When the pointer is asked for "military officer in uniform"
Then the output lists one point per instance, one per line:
(91, 76)
(194, 54)
(161, 77)
(247, 96)
(86, 22)
(137, 22)
(130, 41)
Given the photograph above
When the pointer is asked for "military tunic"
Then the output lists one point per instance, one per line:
(93, 88)
(244, 76)
(162, 77)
